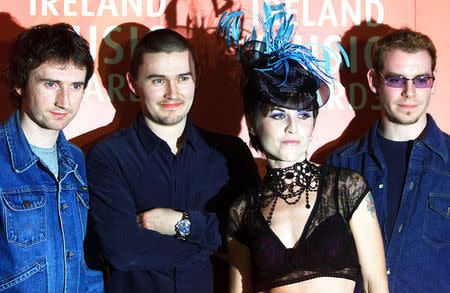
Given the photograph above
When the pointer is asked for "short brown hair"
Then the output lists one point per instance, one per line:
(403, 39)
(162, 40)
(43, 43)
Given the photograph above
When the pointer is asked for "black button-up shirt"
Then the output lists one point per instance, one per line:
(134, 170)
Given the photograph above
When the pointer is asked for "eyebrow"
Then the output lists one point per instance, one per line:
(398, 74)
(186, 73)
(48, 79)
(163, 76)
(278, 109)
(284, 111)
(43, 79)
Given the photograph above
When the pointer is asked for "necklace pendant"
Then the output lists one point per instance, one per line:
(289, 175)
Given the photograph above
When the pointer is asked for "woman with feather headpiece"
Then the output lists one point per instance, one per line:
(307, 227)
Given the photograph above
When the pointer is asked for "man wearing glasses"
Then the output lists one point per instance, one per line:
(405, 158)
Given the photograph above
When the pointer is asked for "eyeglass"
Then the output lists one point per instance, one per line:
(399, 81)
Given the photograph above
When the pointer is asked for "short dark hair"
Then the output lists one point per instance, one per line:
(403, 39)
(42, 43)
(252, 107)
(162, 40)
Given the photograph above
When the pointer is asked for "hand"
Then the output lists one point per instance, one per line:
(161, 220)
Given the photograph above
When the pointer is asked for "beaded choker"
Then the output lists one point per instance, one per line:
(289, 184)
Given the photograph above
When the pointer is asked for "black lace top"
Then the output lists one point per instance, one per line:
(326, 247)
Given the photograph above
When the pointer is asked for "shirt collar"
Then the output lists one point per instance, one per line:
(150, 140)
(192, 136)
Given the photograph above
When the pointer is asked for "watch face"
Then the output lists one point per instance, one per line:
(184, 227)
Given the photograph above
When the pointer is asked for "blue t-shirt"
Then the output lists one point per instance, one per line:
(48, 156)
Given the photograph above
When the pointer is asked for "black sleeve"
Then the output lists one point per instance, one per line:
(353, 187)
(236, 217)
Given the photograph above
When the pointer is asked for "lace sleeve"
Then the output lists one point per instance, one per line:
(352, 189)
(236, 217)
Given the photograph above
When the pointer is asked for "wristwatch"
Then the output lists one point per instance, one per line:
(183, 227)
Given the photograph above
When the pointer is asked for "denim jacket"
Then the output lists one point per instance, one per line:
(42, 218)
(417, 256)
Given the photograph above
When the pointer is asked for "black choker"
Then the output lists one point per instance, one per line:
(303, 177)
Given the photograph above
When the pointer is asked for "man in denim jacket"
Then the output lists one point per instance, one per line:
(405, 159)
(43, 189)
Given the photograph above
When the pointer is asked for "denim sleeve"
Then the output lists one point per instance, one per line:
(333, 160)
(123, 243)
(94, 281)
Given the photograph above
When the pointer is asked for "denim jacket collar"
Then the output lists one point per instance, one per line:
(366, 144)
(66, 160)
(433, 138)
(22, 157)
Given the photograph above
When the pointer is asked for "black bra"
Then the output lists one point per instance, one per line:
(326, 247)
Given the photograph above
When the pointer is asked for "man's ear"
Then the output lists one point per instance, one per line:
(373, 80)
(19, 91)
(251, 130)
(193, 66)
(434, 87)
(130, 81)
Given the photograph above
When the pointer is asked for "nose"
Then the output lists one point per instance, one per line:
(409, 90)
(62, 98)
(171, 90)
(291, 126)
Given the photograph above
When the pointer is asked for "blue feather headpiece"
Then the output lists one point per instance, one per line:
(277, 70)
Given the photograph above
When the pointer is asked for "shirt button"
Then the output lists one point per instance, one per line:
(381, 185)
(388, 272)
(63, 207)
(70, 254)
(419, 144)
(411, 185)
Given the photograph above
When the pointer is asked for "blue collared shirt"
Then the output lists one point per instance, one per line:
(43, 219)
(417, 256)
(133, 171)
